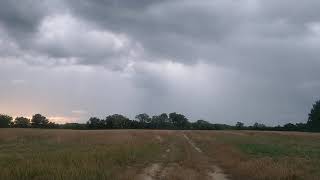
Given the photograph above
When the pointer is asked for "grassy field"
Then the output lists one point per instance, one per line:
(264, 155)
(146, 155)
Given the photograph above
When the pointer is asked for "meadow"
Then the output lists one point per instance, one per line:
(157, 154)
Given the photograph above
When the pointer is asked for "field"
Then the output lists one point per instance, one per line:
(147, 155)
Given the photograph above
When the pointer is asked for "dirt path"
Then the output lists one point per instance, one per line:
(195, 165)
(192, 143)
(216, 173)
(150, 172)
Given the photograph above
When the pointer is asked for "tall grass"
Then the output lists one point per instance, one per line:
(264, 155)
(54, 154)
(124, 154)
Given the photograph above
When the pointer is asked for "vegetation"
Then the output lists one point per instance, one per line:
(22, 122)
(5, 121)
(163, 121)
(263, 155)
(39, 121)
(65, 154)
(314, 117)
(134, 154)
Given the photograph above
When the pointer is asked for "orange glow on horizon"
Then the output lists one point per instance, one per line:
(55, 119)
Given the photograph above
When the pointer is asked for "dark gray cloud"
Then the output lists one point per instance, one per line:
(257, 58)
(21, 17)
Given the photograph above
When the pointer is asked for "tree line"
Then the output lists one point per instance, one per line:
(163, 121)
(37, 121)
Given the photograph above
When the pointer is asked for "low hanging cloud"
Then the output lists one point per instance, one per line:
(222, 60)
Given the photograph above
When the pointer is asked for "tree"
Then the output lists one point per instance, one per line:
(22, 122)
(239, 125)
(96, 123)
(179, 121)
(258, 126)
(5, 121)
(165, 118)
(161, 121)
(301, 126)
(314, 117)
(202, 124)
(39, 121)
(52, 125)
(74, 126)
(289, 127)
(143, 118)
(117, 121)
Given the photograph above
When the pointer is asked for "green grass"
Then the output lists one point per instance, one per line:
(299, 155)
(262, 155)
(275, 146)
(279, 150)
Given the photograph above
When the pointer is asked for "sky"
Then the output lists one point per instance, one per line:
(219, 60)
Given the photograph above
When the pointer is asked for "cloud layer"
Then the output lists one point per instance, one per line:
(222, 60)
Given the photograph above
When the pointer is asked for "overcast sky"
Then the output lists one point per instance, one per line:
(219, 60)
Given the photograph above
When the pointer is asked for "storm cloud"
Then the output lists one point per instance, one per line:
(223, 60)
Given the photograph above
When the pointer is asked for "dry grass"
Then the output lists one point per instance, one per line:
(263, 155)
(127, 154)
(63, 154)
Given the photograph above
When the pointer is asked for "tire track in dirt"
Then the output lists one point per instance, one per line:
(217, 173)
(192, 143)
(166, 170)
(150, 172)
(154, 170)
